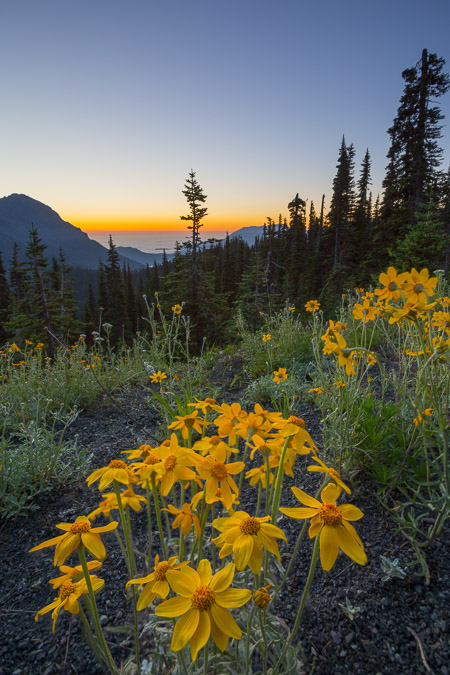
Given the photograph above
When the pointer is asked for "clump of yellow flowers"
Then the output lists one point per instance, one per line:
(221, 555)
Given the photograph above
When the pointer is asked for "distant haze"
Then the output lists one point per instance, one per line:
(152, 241)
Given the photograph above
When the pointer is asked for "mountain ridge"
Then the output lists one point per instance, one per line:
(18, 212)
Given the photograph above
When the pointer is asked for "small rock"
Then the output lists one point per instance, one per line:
(336, 637)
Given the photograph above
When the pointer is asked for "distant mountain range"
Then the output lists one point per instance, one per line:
(248, 234)
(19, 212)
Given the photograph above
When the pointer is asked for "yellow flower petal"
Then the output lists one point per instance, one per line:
(305, 499)
(299, 513)
(65, 547)
(161, 588)
(95, 475)
(350, 512)
(233, 597)
(184, 629)
(224, 621)
(94, 544)
(235, 467)
(330, 493)
(46, 609)
(181, 582)
(201, 635)
(173, 607)
(146, 597)
(329, 547)
(105, 528)
(222, 579)
(242, 549)
(49, 542)
(273, 531)
(204, 572)
(219, 637)
(268, 542)
(315, 527)
(351, 544)
(255, 561)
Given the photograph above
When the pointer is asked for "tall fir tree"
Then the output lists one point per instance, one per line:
(5, 304)
(195, 198)
(33, 316)
(334, 243)
(414, 154)
(115, 308)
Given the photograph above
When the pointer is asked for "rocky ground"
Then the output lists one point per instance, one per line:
(402, 626)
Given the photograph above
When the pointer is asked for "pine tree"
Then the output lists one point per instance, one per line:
(90, 312)
(195, 198)
(296, 251)
(335, 254)
(342, 202)
(63, 305)
(31, 317)
(357, 251)
(115, 308)
(5, 304)
(131, 301)
(424, 244)
(414, 154)
(17, 276)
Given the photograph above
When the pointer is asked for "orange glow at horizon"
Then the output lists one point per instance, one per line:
(90, 224)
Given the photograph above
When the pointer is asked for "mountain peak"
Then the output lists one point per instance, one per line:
(18, 212)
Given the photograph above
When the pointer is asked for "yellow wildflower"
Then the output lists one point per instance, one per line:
(280, 375)
(419, 286)
(312, 306)
(428, 412)
(185, 422)
(79, 532)
(203, 604)
(185, 519)
(158, 377)
(346, 356)
(155, 584)
(116, 470)
(323, 468)
(245, 537)
(365, 312)
(219, 475)
(69, 594)
(331, 523)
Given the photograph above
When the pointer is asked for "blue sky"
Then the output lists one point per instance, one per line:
(107, 105)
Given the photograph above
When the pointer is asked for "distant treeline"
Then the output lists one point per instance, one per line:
(309, 254)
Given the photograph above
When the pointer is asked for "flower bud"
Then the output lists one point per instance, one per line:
(262, 597)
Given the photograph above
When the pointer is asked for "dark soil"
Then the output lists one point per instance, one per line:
(403, 626)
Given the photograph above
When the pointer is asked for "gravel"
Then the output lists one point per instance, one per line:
(402, 626)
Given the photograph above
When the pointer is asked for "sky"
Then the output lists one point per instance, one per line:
(107, 105)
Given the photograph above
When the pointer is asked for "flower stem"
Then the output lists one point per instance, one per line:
(200, 544)
(205, 660)
(244, 459)
(125, 518)
(247, 645)
(149, 519)
(158, 518)
(279, 482)
(95, 617)
(312, 569)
